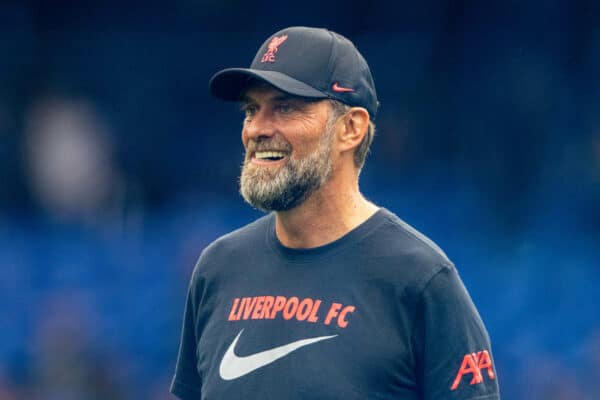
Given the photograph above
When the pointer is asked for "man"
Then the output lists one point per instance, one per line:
(328, 296)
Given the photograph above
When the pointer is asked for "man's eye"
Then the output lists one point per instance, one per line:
(285, 108)
(250, 110)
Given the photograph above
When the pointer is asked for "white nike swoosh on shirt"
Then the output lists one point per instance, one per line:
(233, 366)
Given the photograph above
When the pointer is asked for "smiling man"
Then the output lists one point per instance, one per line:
(273, 178)
(328, 296)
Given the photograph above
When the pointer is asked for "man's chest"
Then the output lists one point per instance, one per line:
(303, 337)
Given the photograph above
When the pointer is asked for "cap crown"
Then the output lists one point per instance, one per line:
(323, 60)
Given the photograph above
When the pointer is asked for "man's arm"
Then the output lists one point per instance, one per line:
(452, 346)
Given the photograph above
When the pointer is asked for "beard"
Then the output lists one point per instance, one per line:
(286, 187)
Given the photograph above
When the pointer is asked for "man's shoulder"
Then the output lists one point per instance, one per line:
(407, 250)
(248, 236)
(408, 238)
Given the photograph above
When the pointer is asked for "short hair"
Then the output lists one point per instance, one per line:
(364, 147)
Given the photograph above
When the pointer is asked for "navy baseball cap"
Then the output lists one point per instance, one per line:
(306, 62)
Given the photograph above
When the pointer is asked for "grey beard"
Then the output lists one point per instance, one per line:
(289, 186)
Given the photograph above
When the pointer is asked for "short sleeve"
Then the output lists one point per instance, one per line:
(453, 351)
(186, 382)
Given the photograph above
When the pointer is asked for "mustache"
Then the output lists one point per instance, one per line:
(266, 144)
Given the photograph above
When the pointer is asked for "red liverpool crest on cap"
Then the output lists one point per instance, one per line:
(269, 55)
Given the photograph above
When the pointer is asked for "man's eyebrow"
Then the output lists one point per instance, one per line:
(245, 99)
(285, 97)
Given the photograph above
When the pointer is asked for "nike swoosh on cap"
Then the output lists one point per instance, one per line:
(337, 88)
(233, 366)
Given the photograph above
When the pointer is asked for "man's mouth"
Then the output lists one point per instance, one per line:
(265, 157)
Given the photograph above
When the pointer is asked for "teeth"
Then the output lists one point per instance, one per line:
(269, 154)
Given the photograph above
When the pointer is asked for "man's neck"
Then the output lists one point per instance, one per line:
(325, 216)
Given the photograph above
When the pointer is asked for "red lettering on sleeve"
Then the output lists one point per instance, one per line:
(473, 364)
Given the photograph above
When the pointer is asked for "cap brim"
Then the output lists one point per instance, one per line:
(229, 84)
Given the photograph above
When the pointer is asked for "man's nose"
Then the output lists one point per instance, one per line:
(261, 124)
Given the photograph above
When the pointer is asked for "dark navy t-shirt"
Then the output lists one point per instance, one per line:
(380, 313)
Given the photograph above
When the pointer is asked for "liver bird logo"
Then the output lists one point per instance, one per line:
(269, 55)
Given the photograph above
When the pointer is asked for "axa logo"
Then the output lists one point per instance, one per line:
(269, 55)
(473, 364)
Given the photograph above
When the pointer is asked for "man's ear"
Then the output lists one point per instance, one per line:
(353, 128)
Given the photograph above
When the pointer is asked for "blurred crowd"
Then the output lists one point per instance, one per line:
(117, 168)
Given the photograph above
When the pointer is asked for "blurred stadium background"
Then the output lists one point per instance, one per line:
(116, 169)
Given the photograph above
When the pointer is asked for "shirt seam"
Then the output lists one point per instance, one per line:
(439, 268)
(425, 241)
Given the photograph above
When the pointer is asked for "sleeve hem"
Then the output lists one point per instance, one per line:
(184, 391)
